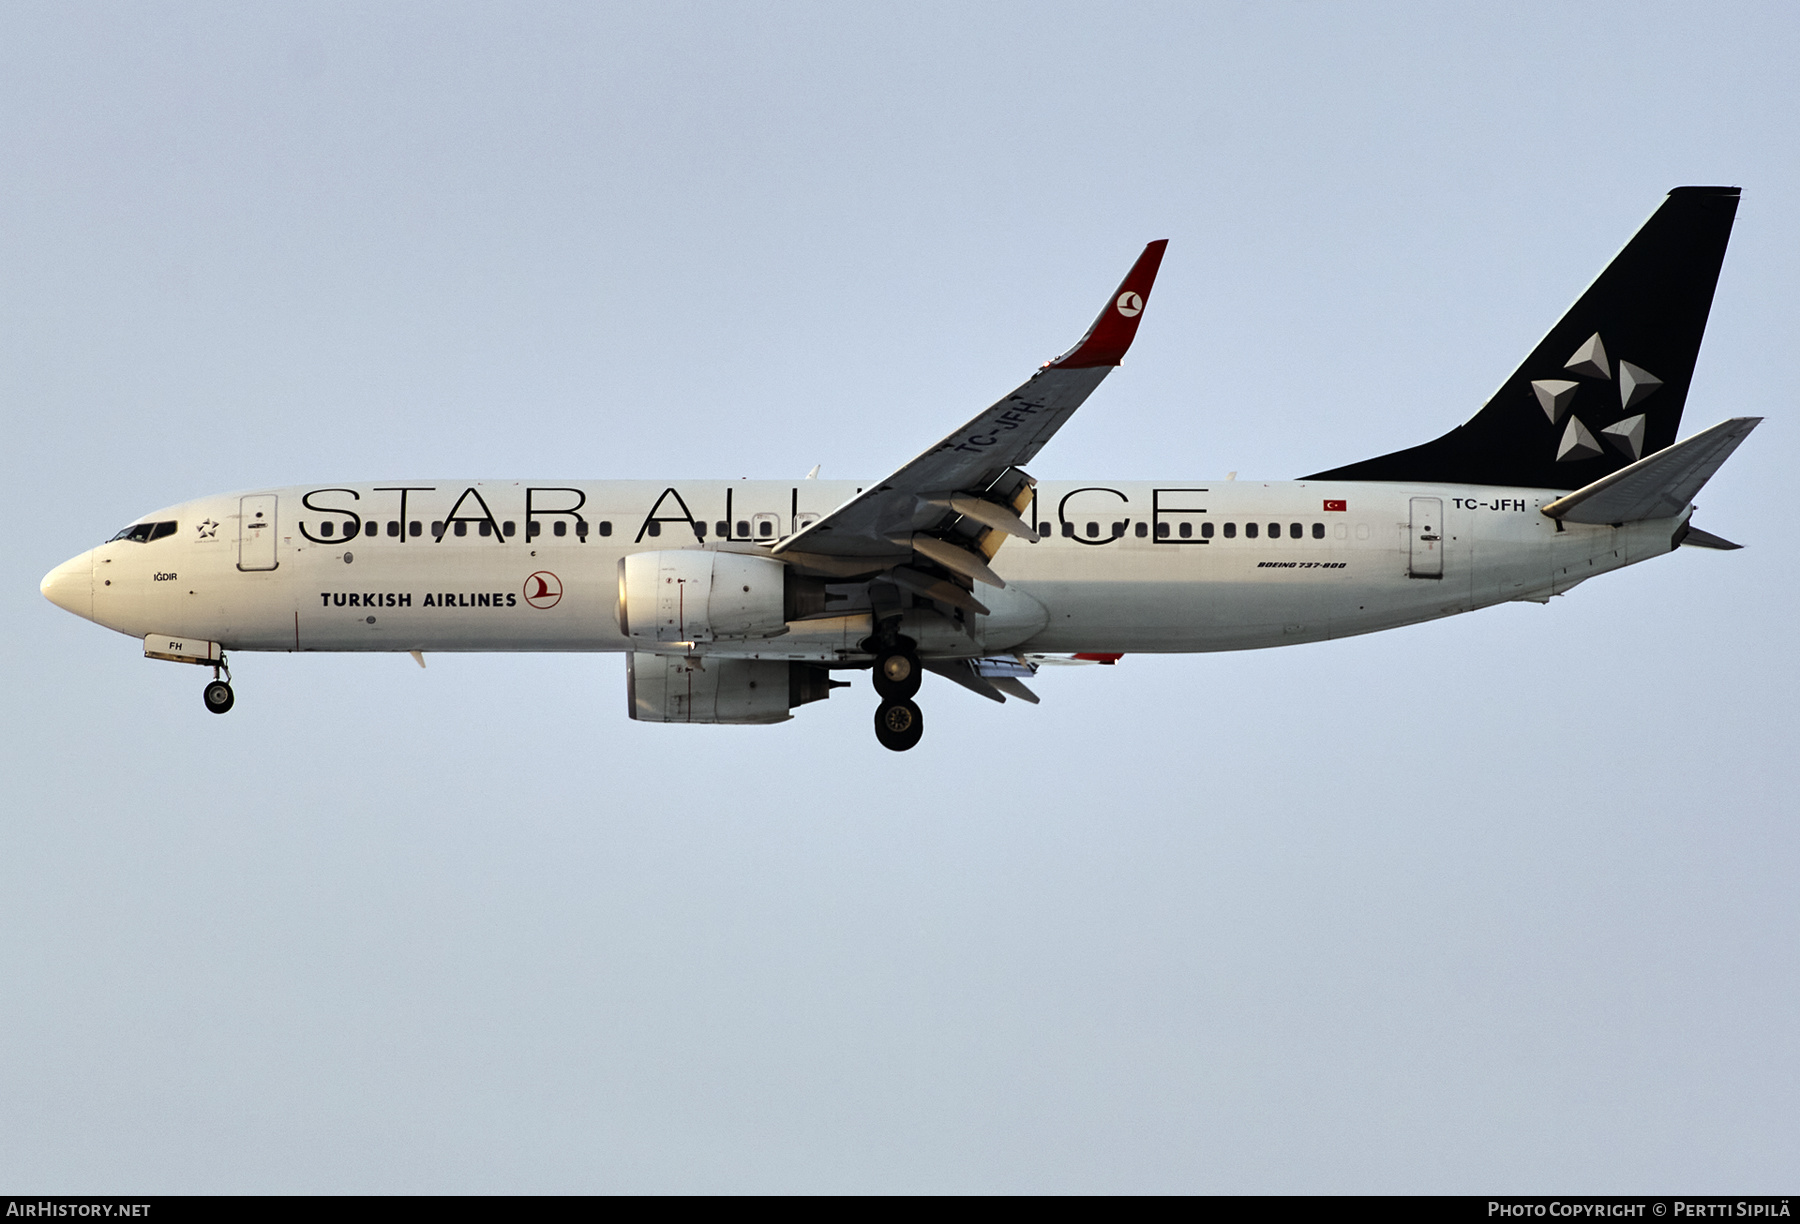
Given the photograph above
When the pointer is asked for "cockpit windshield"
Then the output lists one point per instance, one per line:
(143, 533)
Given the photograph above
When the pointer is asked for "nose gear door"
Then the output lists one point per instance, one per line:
(256, 532)
(1427, 538)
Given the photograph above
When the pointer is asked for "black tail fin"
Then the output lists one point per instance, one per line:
(1608, 384)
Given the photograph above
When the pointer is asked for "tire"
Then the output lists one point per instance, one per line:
(218, 696)
(897, 675)
(899, 725)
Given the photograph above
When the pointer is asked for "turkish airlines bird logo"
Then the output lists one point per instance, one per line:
(1130, 305)
(543, 589)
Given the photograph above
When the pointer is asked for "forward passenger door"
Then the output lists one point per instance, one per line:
(256, 532)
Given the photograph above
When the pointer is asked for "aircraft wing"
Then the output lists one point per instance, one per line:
(955, 504)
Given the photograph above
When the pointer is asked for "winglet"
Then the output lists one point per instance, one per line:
(1115, 329)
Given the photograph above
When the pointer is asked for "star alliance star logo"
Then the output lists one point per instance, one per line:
(208, 529)
(1555, 395)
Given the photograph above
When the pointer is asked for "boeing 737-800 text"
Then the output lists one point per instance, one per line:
(737, 601)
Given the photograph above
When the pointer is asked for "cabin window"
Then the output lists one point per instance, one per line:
(393, 529)
(1093, 530)
(1043, 529)
(371, 528)
(699, 529)
(765, 528)
(484, 529)
(1162, 531)
(1249, 531)
(1274, 531)
(1296, 531)
(1230, 530)
(562, 528)
(1187, 529)
(437, 530)
(1206, 531)
(1340, 531)
(1069, 530)
(325, 529)
(1318, 531)
(462, 528)
(415, 528)
(1143, 529)
(744, 528)
(581, 529)
(655, 528)
(605, 527)
(722, 527)
(508, 528)
(533, 529)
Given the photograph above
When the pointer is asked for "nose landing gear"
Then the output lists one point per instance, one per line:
(217, 694)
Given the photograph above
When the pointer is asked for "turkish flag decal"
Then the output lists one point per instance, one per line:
(1330, 504)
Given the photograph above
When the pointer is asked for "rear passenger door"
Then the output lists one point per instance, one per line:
(1427, 535)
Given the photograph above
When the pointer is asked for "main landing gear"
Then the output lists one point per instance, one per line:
(898, 722)
(217, 694)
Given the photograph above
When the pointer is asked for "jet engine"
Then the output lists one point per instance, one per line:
(673, 689)
(696, 595)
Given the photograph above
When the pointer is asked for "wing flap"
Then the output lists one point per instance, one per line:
(962, 671)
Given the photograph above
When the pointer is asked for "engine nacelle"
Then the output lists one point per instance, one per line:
(673, 689)
(696, 595)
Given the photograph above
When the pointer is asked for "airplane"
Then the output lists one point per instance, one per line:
(737, 602)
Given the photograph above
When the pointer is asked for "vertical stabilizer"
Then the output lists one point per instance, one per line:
(1608, 384)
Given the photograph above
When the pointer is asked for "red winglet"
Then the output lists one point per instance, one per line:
(1115, 329)
(1096, 657)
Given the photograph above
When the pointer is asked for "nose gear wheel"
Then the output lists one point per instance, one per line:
(218, 696)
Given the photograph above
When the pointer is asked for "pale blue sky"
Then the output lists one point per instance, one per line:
(1504, 902)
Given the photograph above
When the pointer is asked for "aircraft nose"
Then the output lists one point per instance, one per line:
(70, 586)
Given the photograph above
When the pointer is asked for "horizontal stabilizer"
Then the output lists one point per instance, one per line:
(1656, 486)
(1693, 537)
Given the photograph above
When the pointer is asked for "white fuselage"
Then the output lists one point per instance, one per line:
(1124, 566)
